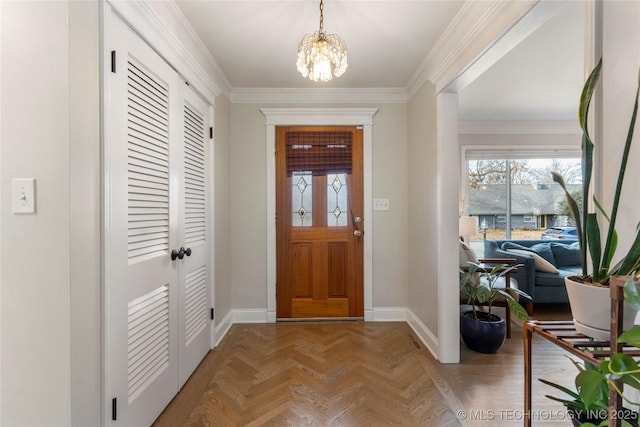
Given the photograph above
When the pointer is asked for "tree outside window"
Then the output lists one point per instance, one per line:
(517, 198)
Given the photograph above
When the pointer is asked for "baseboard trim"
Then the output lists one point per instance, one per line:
(425, 335)
(250, 316)
(389, 314)
(222, 328)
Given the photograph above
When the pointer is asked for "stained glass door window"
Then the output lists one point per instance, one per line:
(337, 200)
(302, 199)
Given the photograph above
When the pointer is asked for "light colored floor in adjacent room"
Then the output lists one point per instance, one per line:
(491, 386)
(364, 374)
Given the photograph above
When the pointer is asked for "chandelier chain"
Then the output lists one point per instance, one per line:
(321, 17)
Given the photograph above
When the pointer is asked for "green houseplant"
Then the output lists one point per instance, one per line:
(621, 369)
(485, 331)
(591, 317)
(589, 405)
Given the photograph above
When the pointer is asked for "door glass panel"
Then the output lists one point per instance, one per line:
(301, 199)
(337, 208)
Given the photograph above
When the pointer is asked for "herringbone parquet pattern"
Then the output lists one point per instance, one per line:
(319, 374)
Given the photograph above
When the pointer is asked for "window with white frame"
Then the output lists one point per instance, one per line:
(514, 196)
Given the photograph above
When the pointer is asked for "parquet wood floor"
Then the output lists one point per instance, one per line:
(362, 374)
(320, 374)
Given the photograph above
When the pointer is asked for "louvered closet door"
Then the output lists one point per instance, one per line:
(141, 228)
(194, 302)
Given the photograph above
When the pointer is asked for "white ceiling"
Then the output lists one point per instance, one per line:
(540, 79)
(254, 42)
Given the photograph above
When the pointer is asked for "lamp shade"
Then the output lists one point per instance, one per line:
(468, 226)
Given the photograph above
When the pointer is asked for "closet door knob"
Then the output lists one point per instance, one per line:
(177, 254)
(187, 251)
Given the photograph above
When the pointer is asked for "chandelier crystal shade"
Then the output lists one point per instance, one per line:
(321, 55)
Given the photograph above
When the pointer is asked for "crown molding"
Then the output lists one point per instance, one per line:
(318, 96)
(219, 75)
(520, 127)
(333, 116)
(162, 25)
(478, 36)
(452, 43)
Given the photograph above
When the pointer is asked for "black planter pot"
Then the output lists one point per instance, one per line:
(484, 335)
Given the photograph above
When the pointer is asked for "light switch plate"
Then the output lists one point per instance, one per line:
(380, 204)
(23, 192)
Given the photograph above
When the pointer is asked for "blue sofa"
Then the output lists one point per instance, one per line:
(542, 286)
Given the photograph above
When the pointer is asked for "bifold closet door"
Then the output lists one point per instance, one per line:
(194, 296)
(157, 296)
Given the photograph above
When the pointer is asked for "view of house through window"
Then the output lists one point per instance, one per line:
(517, 198)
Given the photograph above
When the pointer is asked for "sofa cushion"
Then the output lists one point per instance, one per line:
(575, 270)
(466, 255)
(565, 254)
(549, 279)
(541, 263)
(542, 249)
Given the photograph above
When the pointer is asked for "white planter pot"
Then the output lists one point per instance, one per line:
(591, 309)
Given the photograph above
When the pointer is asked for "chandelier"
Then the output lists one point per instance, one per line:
(319, 54)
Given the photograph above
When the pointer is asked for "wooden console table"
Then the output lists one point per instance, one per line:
(564, 335)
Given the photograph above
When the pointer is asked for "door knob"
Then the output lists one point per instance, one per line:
(178, 254)
(187, 252)
(357, 233)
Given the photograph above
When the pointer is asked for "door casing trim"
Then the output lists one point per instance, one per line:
(319, 117)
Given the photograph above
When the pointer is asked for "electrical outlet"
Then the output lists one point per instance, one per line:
(23, 195)
(380, 204)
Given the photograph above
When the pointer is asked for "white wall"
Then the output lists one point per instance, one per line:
(547, 141)
(621, 64)
(390, 231)
(422, 167)
(222, 191)
(248, 206)
(36, 359)
(84, 188)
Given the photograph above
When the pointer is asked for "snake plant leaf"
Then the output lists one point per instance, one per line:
(604, 270)
(587, 93)
(631, 261)
(559, 387)
(593, 237)
(575, 213)
(598, 205)
(587, 156)
(574, 404)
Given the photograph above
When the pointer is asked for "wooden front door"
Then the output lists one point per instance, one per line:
(319, 204)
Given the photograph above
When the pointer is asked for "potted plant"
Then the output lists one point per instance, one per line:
(589, 405)
(485, 331)
(588, 291)
(621, 370)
